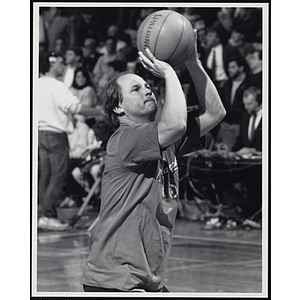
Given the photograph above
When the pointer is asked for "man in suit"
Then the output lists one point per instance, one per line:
(249, 140)
(232, 98)
(215, 61)
(254, 60)
(90, 54)
(248, 143)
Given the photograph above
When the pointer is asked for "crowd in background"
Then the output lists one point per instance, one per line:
(99, 42)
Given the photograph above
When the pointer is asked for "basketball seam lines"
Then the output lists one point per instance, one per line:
(160, 31)
(182, 31)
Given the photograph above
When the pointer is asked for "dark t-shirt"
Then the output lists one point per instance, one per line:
(130, 244)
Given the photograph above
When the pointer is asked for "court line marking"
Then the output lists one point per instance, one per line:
(175, 236)
(212, 264)
(216, 240)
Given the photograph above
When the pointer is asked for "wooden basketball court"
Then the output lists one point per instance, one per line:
(226, 261)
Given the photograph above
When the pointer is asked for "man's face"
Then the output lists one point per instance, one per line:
(234, 70)
(111, 46)
(212, 39)
(237, 36)
(139, 103)
(250, 103)
(58, 67)
(87, 48)
(253, 60)
(71, 57)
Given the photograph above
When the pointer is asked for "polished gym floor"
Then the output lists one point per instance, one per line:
(205, 261)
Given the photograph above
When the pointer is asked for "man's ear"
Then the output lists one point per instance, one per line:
(119, 110)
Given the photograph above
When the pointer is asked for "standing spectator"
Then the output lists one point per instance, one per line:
(101, 66)
(73, 61)
(54, 104)
(254, 60)
(90, 55)
(232, 98)
(57, 26)
(237, 39)
(216, 59)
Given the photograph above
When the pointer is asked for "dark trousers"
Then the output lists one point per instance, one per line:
(53, 170)
(88, 288)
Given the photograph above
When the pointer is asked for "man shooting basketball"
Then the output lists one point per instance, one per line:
(131, 242)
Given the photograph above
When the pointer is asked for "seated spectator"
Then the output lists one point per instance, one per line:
(232, 98)
(73, 61)
(90, 55)
(101, 66)
(119, 35)
(82, 87)
(249, 140)
(60, 46)
(248, 144)
(254, 60)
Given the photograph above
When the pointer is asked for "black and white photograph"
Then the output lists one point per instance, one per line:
(188, 215)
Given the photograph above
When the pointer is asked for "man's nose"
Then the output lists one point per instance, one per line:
(148, 92)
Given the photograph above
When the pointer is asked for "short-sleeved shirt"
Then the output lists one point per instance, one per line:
(131, 242)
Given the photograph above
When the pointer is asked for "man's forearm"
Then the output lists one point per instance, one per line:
(208, 97)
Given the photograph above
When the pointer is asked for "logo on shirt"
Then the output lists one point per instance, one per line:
(166, 177)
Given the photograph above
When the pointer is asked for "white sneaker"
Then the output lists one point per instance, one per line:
(51, 224)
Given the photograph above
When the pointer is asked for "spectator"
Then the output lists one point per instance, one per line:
(57, 26)
(254, 60)
(113, 67)
(73, 61)
(60, 46)
(101, 66)
(249, 20)
(120, 36)
(199, 24)
(250, 136)
(237, 39)
(54, 104)
(82, 87)
(216, 59)
(232, 98)
(90, 55)
(249, 143)
(81, 140)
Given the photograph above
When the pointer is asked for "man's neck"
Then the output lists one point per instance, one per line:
(240, 77)
(257, 70)
(50, 74)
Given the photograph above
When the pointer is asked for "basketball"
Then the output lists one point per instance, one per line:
(169, 35)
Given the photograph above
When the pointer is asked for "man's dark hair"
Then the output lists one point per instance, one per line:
(253, 90)
(240, 61)
(45, 61)
(76, 50)
(118, 65)
(111, 98)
